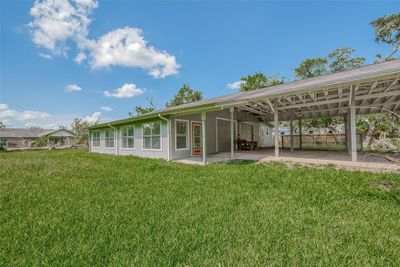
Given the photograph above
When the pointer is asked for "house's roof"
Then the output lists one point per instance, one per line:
(316, 83)
(27, 133)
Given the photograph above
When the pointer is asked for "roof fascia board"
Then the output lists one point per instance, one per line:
(155, 116)
(192, 110)
(313, 89)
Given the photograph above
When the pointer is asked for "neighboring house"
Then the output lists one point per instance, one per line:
(213, 125)
(19, 138)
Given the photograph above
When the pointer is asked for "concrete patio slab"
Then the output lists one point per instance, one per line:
(338, 159)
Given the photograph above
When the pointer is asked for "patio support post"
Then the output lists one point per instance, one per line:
(231, 109)
(300, 134)
(116, 145)
(203, 136)
(353, 126)
(276, 128)
(291, 132)
(346, 132)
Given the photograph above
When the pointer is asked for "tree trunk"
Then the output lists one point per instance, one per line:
(369, 137)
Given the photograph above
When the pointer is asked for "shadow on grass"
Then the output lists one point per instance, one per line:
(239, 162)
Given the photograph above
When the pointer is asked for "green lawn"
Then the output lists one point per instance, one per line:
(75, 208)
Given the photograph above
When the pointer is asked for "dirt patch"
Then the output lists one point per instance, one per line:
(384, 185)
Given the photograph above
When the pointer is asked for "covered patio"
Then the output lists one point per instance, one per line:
(340, 159)
(367, 90)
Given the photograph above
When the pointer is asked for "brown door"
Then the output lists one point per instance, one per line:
(197, 140)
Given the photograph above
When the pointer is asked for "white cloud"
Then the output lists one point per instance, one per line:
(46, 56)
(29, 118)
(43, 125)
(72, 88)
(127, 47)
(127, 90)
(234, 85)
(80, 57)
(12, 114)
(57, 21)
(105, 108)
(94, 118)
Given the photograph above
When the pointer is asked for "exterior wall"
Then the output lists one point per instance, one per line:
(265, 135)
(25, 143)
(211, 130)
(138, 143)
(168, 145)
(19, 142)
(183, 153)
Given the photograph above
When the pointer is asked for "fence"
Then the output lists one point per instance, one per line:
(318, 141)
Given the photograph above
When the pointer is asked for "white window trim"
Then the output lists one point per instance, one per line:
(235, 123)
(98, 131)
(134, 137)
(105, 139)
(187, 135)
(161, 142)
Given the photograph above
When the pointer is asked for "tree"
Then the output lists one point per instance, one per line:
(140, 110)
(81, 129)
(338, 60)
(258, 80)
(311, 67)
(185, 95)
(341, 59)
(387, 31)
(2, 125)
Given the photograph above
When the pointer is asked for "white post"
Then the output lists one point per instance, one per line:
(232, 133)
(353, 135)
(169, 139)
(346, 131)
(300, 134)
(203, 135)
(276, 128)
(291, 133)
(116, 140)
(90, 141)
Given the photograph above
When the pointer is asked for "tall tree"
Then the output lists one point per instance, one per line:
(338, 60)
(81, 129)
(311, 67)
(258, 80)
(2, 125)
(185, 95)
(341, 59)
(140, 110)
(387, 31)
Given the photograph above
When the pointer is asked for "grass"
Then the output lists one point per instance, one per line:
(74, 208)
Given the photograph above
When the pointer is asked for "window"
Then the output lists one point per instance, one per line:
(128, 137)
(110, 138)
(152, 135)
(96, 139)
(181, 134)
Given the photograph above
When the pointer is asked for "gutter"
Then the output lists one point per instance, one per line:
(168, 135)
(115, 138)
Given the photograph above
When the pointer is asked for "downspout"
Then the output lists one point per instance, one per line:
(115, 139)
(168, 135)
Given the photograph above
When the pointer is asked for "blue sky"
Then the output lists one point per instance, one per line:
(134, 50)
